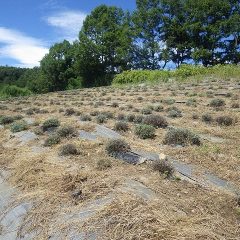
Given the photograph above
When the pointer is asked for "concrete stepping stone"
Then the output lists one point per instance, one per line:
(10, 220)
(147, 155)
(137, 157)
(212, 138)
(100, 131)
(25, 137)
(218, 182)
(138, 189)
(87, 136)
(87, 211)
(105, 132)
(203, 177)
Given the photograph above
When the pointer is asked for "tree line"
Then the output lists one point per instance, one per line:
(157, 34)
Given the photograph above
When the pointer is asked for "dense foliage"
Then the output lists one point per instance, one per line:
(158, 34)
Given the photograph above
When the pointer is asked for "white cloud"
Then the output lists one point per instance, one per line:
(26, 50)
(68, 23)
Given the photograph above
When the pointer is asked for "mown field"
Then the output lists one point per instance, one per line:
(64, 164)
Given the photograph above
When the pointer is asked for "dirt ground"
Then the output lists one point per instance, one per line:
(179, 209)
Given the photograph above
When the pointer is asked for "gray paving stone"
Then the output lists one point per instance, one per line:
(87, 136)
(10, 219)
(25, 137)
(140, 190)
(212, 138)
(105, 132)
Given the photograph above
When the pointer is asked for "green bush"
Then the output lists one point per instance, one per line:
(14, 91)
(144, 131)
(52, 140)
(121, 126)
(207, 118)
(156, 121)
(139, 76)
(164, 167)
(50, 123)
(67, 131)
(104, 164)
(18, 126)
(225, 120)
(174, 114)
(6, 120)
(116, 146)
(181, 136)
(185, 71)
(68, 149)
(217, 103)
(101, 118)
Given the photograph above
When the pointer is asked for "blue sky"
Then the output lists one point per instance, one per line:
(29, 27)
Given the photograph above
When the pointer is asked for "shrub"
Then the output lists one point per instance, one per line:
(224, 120)
(158, 108)
(85, 118)
(3, 107)
(52, 140)
(174, 114)
(217, 102)
(164, 167)
(181, 136)
(30, 111)
(121, 116)
(14, 91)
(50, 123)
(121, 126)
(67, 131)
(38, 131)
(130, 117)
(115, 104)
(18, 117)
(95, 113)
(146, 111)
(138, 119)
(195, 116)
(69, 112)
(68, 149)
(191, 102)
(139, 76)
(235, 105)
(104, 164)
(207, 118)
(19, 126)
(109, 115)
(116, 146)
(144, 131)
(6, 120)
(169, 101)
(101, 118)
(156, 121)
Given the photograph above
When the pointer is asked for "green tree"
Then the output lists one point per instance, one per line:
(34, 80)
(57, 66)
(175, 32)
(149, 49)
(213, 26)
(104, 44)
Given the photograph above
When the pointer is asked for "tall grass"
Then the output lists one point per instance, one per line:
(7, 91)
(185, 72)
